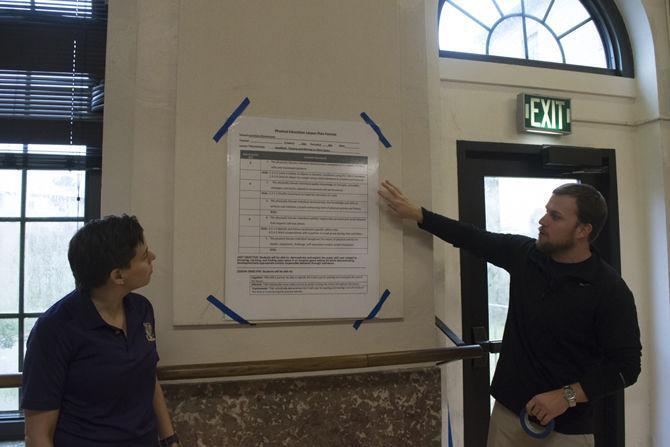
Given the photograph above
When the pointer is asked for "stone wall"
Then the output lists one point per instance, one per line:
(390, 408)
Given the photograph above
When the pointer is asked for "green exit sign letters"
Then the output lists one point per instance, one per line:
(542, 114)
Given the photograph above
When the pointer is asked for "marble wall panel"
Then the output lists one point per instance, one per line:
(389, 408)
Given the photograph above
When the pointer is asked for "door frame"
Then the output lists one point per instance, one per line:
(475, 161)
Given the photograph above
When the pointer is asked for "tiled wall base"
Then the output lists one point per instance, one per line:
(390, 408)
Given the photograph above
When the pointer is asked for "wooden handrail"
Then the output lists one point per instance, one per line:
(10, 380)
(283, 366)
(210, 370)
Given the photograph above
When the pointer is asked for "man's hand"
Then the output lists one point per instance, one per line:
(547, 406)
(399, 205)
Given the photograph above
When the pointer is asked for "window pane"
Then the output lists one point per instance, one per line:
(537, 8)
(584, 47)
(67, 8)
(61, 149)
(11, 148)
(498, 291)
(9, 399)
(482, 10)
(510, 6)
(459, 33)
(493, 362)
(542, 45)
(46, 94)
(10, 193)
(580, 45)
(513, 205)
(516, 204)
(566, 14)
(47, 271)
(28, 324)
(55, 194)
(9, 267)
(9, 345)
(507, 39)
(16, 4)
(78, 8)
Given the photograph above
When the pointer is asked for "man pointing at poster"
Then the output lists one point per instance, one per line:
(571, 335)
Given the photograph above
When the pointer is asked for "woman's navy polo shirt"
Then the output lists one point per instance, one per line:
(101, 381)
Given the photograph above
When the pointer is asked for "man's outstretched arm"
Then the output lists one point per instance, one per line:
(399, 205)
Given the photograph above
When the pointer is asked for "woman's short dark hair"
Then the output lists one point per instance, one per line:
(591, 205)
(101, 246)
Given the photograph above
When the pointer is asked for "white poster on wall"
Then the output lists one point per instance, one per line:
(302, 225)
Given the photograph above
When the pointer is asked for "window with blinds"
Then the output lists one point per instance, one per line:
(52, 65)
(83, 9)
(49, 95)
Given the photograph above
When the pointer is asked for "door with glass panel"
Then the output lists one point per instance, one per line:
(504, 188)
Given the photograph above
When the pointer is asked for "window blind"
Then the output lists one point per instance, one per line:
(52, 64)
(49, 95)
(80, 9)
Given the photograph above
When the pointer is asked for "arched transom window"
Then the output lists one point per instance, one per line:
(551, 31)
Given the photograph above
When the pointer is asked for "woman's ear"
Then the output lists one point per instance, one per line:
(116, 276)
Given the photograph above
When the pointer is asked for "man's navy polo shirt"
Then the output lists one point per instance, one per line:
(101, 381)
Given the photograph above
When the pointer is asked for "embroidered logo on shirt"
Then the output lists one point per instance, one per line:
(149, 332)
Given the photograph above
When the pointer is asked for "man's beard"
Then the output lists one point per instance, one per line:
(550, 248)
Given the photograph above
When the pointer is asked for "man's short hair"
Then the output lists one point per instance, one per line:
(591, 205)
(101, 246)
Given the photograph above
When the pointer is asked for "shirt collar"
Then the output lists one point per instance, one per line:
(588, 272)
(89, 315)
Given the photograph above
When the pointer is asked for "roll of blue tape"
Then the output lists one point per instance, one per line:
(534, 430)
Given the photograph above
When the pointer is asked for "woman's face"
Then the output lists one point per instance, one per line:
(138, 274)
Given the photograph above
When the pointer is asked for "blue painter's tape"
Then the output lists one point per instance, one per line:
(228, 311)
(450, 439)
(377, 130)
(375, 310)
(534, 429)
(231, 119)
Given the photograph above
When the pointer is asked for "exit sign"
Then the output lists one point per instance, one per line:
(542, 114)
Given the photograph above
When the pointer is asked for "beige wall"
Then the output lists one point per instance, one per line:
(378, 54)
(479, 103)
(290, 71)
(624, 114)
(427, 105)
